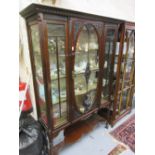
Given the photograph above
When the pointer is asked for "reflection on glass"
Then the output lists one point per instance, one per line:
(56, 48)
(85, 67)
(38, 69)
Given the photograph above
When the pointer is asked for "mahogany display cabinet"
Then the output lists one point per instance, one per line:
(73, 58)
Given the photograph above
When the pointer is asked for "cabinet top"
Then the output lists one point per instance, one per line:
(33, 9)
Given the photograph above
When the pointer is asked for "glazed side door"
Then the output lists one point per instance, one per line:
(85, 37)
(108, 80)
(126, 81)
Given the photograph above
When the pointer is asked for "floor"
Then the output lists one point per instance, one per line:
(97, 142)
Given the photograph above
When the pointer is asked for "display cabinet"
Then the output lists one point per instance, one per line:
(76, 67)
(124, 72)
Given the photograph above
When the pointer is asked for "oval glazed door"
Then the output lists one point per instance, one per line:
(86, 67)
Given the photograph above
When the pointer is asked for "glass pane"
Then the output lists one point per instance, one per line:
(56, 30)
(128, 71)
(60, 120)
(62, 58)
(93, 40)
(56, 44)
(109, 45)
(131, 46)
(63, 89)
(82, 42)
(52, 45)
(90, 98)
(63, 119)
(55, 92)
(127, 65)
(38, 69)
(62, 66)
(61, 45)
(86, 62)
(106, 89)
(80, 62)
(118, 103)
(124, 100)
(92, 81)
(80, 89)
(80, 85)
(110, 34)
(93, 60)
(53, 67)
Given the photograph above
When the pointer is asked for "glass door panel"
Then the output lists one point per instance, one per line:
(109, 49)
(56, 48)
(127, 71)
(38, 71)
(85, 67)
(127, 67)
(127, 61)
